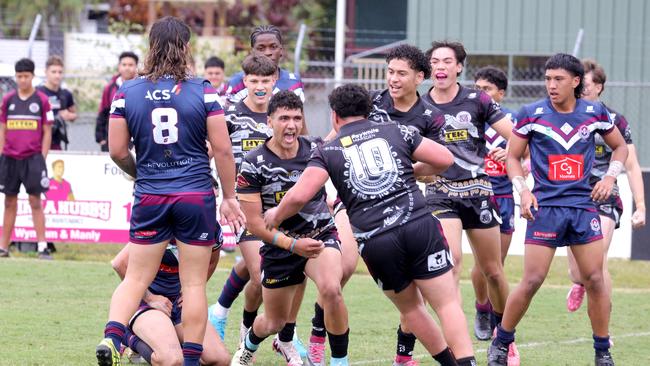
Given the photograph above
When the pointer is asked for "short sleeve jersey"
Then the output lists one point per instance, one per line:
(59, 99)
(263, 172)
(24, 120)
(464, 121)
(423, 116)
(370, 166)
(604, 152)
(247, 130)
(167, 121)
(496, 170)
(237, 91)
(562, 149)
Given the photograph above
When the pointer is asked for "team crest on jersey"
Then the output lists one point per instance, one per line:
(12, 107)
(34, 107)
(294, 175)
(595, 225)
(464, 117)
(584, 133)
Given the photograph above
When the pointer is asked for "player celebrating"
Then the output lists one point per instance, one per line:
(494, 83)
(407, 68)
(560, 132)
(399, 240)
(169, 116)
(266, 40)
(610, 210)
(307, 243)
(461, 197)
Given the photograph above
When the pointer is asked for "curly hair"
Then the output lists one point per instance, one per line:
(285, 99)
(413, 55)
(350, 100)
(169, 53)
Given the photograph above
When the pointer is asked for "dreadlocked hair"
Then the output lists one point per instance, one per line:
(169, 53)
(265, 29)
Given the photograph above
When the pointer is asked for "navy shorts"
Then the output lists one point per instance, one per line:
(175, 316)
(612, 208)
(416, 250)
(30, 172)
(285, 271)
(561, 226)
(247, 236)
(506, 208)
(474, 213)
(190, 218)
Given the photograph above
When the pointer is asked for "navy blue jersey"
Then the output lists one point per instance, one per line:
(263, 172)
(247, 130)
(422, 115)
(562, 149)
(496, 170)
(604, 152)
(370, 166)
(464, 120)
(167, 121)
(286, 81)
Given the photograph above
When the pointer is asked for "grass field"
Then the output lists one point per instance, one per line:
(53, 313)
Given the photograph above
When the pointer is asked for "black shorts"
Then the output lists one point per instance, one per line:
(417, 250)
(289, 270)
(474, 213)
(30, 172)
(612, 208)
(247, 236)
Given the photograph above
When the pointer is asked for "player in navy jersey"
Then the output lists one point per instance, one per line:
(461, 197)
(559, 131)
(155, 329)
(494, 83)
(266, 40)
(169, 115)
(370, 164)
(610, 211)
(407, 68)
(305, 244)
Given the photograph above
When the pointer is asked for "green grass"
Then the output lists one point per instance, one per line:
(53, 313)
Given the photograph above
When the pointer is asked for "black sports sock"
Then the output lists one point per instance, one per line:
(445, 358)
(405, 342)
(318, 322)
(467, 361)
(249, 318)
(339, 344)
(286, 334)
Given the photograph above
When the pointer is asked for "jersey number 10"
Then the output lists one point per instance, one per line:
(164, 120)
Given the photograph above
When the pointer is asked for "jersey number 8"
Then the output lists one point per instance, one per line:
(164, 120)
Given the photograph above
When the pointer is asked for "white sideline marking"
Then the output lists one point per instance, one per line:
(525, 345)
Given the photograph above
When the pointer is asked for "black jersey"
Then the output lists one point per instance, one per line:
(264, 172)
(604, 152)
(370, 166)
(464, 120)
(247, 130)
(423, 116)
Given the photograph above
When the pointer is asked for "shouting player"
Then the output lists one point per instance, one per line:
(399, 240)
(559, 131)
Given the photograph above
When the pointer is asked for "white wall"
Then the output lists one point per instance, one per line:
(12, 50)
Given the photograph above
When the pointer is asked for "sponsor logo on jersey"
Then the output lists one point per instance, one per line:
(565, 167)
(250, 144)
(427, 112)
(279, 196)
(203, 236)
(539, 110)
(274, 281)
(437, 260)
(595, 225)
(471, 96)
(12, 106)
(22, 124)
(456, 135)
(494, 168)
(590, 109)
(260, 158)
(145, 234)
(162, 94)
(346, 141)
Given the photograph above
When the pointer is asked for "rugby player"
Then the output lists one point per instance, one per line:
(559, 130)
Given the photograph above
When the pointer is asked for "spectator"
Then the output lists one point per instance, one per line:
(126, 70)
(61, 101)
(25, 138)
(214, 72)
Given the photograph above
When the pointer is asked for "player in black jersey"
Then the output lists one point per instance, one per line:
(370, 164)
(305, 244)
(461, 197)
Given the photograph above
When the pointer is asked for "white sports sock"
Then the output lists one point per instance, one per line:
(42, 245)
(219, 310)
